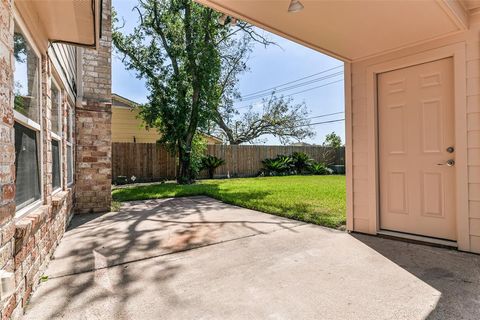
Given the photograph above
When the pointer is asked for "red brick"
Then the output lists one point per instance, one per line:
(8, 231)
(20, 257)
(26, 295)
(8, 192)
(22, 233)
(9, 307)
(7, 212)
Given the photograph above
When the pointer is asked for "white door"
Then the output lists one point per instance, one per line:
(416, 150)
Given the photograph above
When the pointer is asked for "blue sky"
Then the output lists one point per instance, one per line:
(269, 67)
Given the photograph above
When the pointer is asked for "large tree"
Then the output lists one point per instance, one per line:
(174, 48)
(278, 116)
(191, 64)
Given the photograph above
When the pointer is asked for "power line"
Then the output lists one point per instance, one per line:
(313, 88)
(279, 88)
(325, 115)
(291, 87)
(295, 93)
(284, 84)
(317, 123)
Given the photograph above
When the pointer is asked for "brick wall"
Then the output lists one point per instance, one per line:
(93, 126)
(7, 151)
(26, 243)
(36, 234)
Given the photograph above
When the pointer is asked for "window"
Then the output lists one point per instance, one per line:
(26, 166)
(56, 116)
(56, 175)
(26, 78)
(27, 122)
(56, 109)
(69, 146)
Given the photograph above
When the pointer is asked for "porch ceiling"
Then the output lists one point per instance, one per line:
(69, 21)
(352, 30)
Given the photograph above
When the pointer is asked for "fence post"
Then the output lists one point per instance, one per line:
(152, 162)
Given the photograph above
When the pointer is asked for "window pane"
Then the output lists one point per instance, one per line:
(55, 96)
(26, 77)
(56, 181)
(27, 173)
(69, 124)
(69, 164)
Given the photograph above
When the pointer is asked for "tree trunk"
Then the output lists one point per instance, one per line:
(228, 132)
(185, 175)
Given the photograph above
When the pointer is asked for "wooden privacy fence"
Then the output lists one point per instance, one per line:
(152, 162)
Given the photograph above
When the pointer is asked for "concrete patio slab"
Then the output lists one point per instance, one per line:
(146, 229)
(256, 266)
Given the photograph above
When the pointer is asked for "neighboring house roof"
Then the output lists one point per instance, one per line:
(119, 101)
(127, 127)
(209, 136)
(300, 144)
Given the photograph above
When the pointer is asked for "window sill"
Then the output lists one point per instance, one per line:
(58, 199)
(28, 225)
(55, 136)
(26, 210)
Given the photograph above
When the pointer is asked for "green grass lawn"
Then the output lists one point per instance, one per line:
(315, 199)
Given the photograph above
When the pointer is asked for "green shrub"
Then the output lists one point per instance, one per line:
(280, 166)
(301, 161)
(210, 163)
(199, 145)
(320, 169)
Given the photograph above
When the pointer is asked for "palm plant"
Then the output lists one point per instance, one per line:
(319, 169)
(281, 165)
(301, 161)
(210, 163)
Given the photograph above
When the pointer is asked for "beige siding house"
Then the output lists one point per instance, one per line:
(412, 89)
(128, 127)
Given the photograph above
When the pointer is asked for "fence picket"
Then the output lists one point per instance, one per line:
(152, 162)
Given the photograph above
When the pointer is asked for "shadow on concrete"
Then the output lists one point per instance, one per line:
(456, 275)
(291, 269)
(142, 230)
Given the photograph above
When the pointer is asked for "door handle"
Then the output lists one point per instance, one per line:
(448, 163)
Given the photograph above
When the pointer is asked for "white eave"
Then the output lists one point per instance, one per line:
(353, 30)
(76, 22)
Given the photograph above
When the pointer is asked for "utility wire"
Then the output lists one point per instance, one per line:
(317, 123)
(290, 82)
(325, 115)
(309, 89)
(298, 85)
(313, 88)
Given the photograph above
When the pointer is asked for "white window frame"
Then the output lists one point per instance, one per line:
(69, 140)
(55, 136)
(29, 123)
(54, 83)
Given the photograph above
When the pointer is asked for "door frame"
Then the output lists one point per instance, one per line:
(457, 52)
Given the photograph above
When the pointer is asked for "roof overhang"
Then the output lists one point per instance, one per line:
(353, 30)
(76, 22)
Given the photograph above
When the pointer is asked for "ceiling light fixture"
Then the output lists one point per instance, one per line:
(295, 6)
